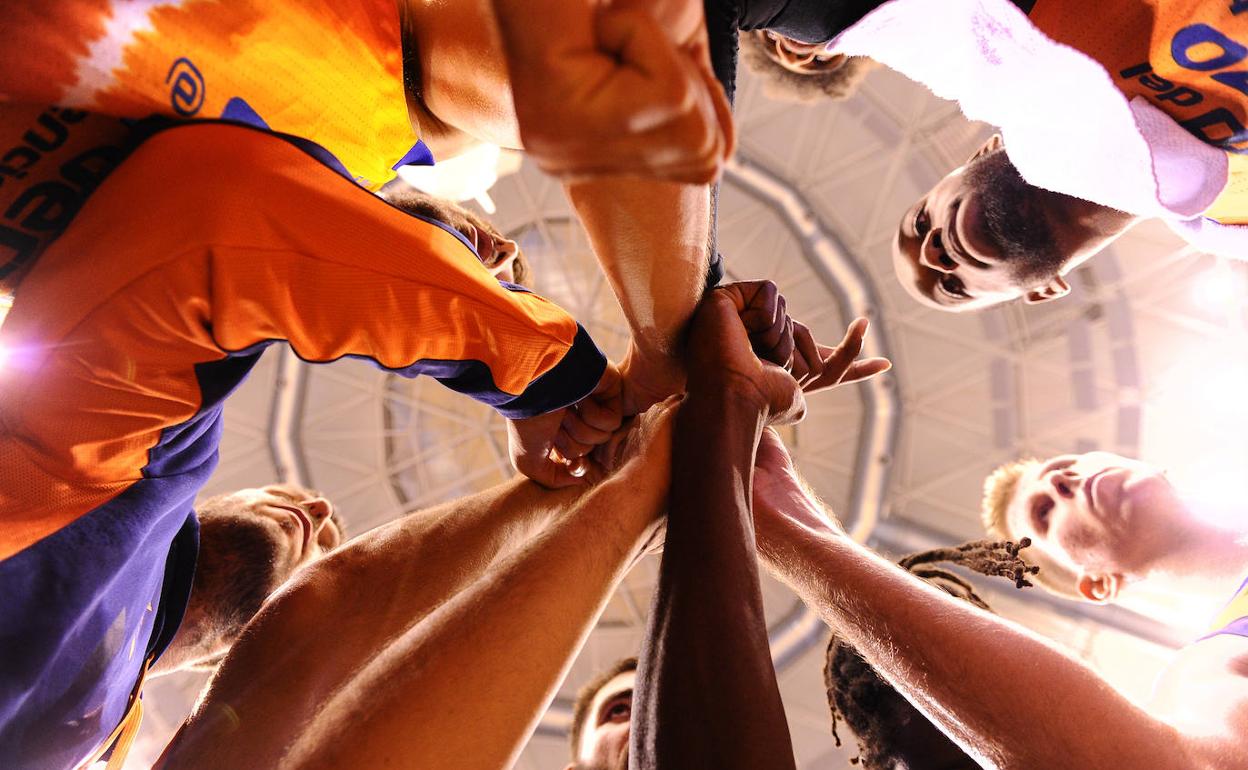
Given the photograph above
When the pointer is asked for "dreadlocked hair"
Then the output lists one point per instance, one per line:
(860, 697)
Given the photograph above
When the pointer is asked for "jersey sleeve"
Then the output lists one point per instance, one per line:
(1231, 205)
(446, 318)
(209, 242)
(301, 254)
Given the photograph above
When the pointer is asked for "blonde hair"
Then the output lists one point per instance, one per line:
(999, 490)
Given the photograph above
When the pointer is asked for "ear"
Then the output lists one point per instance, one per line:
(1100, 589)
(993, 144)
(1054, 289)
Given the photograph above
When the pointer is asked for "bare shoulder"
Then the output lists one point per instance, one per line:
(1203, 695)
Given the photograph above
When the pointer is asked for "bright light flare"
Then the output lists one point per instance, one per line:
(1221, 288)
(1217, 492)
(1223, 389)
(468, 176)
(1197, 427)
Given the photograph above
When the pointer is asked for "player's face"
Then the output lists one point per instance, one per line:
(299, 521)
(942, 254)
(796, 56)
(497, 253)
(1098, 513)
(604, 740)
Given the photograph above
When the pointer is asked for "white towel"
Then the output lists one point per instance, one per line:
(1091, 143)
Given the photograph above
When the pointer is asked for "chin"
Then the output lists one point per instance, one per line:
(1155, 521)
(1151, 493)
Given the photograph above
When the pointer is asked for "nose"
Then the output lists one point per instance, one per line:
(319, 510)
(1065, 483)
(506, 248)
(932, 253)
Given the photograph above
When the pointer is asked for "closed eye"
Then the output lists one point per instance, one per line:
(1040, 511)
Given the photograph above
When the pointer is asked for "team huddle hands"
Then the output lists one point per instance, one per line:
(741, 341)
(194, 184)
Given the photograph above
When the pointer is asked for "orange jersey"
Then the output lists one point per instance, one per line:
(1187, 57)
(51, 159)
(330, 72)
(257, 241)
(126, 338)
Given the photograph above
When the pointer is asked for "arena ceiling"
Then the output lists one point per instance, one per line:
(1148, 358)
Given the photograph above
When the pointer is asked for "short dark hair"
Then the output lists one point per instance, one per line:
(585, 697)
(236, 566)
(1015, 217)
(780, 83)
(857, 694)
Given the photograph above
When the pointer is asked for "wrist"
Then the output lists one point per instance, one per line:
(649, 377)
(727, 405)
(727, 389)
(623, 511)
(792, 515)
(786, 541)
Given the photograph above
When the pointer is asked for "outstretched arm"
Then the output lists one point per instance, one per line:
(651, 239)
(1010, 698)
(626, 89)
(707, 694)
(369, 591)
(708, 616)
(407, 640)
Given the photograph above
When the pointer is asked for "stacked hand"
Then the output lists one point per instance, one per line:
(778, 491)
(603, 88)
(551, 448)
(741, 341)
(743, 338)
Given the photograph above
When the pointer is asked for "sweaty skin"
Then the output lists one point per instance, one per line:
(419, 670)
(650, 236)
(623, 87)
(945, 258)
(683, 710)
(1008, 697)
(708, 606)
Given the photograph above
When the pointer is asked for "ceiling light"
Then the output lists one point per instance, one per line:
(1220, 288)
(468, 176)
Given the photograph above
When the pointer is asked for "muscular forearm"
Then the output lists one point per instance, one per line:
(1013, 699)
(465, 687)
(347, 609)
(651, 238)
(707, 694)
